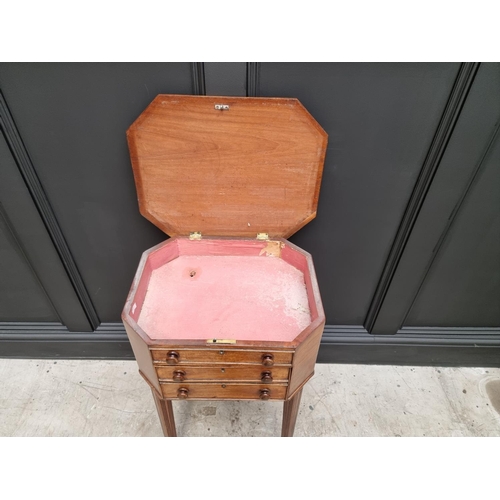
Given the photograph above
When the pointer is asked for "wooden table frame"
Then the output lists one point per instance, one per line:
(166, 414)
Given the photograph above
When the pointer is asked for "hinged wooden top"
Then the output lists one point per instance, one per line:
(227, 166)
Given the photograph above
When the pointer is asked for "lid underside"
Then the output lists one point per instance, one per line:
(253, 168)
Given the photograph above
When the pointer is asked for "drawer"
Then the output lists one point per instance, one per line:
(184, 356)
(253, 373)
(223, 391)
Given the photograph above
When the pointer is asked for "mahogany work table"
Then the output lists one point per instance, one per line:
(226, 308)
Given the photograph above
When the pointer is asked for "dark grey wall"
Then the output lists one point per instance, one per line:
(73, 118)
(462, 157)
(380, 119)
(462, 286)
(406, 242)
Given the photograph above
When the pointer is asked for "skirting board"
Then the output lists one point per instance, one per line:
(340, 344)
(422, 346)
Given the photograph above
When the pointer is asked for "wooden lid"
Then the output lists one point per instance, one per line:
(253, 168)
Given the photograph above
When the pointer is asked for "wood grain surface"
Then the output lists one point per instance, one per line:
(221, 355)
(225, 372)
(255, 167)
(290, 412)
(223, 391)
(143, 356)
(305, 357)
(166, 415)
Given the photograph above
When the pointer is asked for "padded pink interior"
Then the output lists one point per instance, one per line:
(225, 297)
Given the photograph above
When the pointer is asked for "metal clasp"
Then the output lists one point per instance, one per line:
(222, 107)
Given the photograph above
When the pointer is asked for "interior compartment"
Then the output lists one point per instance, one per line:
(224, 289)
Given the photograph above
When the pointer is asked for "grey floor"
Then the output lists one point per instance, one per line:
(109, 398)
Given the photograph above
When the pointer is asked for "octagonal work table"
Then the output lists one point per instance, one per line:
(226, 308)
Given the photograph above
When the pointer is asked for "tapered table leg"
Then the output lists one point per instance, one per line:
(166, 414)
(290, 410)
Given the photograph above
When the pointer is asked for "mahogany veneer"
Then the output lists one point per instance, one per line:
(223, 314)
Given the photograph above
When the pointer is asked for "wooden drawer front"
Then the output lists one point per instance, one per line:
(253, 373)
(185, 356)
(222, 391)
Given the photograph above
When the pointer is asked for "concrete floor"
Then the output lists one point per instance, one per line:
(109, 398)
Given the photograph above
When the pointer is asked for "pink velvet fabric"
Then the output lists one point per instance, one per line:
(225, 297)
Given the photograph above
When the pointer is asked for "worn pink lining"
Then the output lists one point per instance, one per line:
(225, 297)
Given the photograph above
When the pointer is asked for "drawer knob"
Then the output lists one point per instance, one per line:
(267, 359)
(265, 394)
(182, 393)
(179, 376)
(266, 377)
(172, 357)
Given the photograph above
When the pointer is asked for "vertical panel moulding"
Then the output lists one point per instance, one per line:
(461, 88)
(39, 197)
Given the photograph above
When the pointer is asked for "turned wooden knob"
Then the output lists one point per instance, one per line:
(267, 359)
(265, 394)
(179, 376)
(182, 393)
(266, 377)
(172, 357)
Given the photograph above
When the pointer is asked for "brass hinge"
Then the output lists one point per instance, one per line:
(195, 235)
(262, 236)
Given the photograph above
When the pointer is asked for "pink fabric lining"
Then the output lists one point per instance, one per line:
(225, 297)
